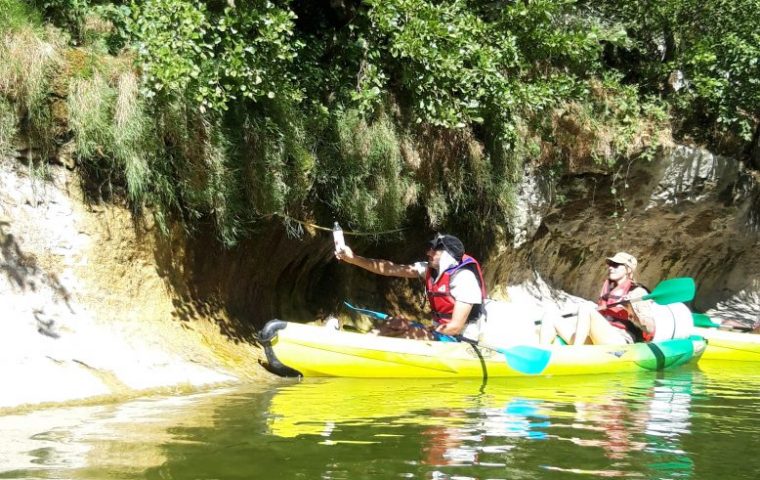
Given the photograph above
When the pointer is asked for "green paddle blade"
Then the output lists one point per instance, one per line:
(702, 320)
(673, 290)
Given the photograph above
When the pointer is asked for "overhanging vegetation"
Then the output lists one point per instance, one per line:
(362, 110)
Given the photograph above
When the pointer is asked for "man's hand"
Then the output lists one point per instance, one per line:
(345, 254)
(448, 329)
(458, 320)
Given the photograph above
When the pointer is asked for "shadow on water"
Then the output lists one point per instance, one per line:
(633, 426)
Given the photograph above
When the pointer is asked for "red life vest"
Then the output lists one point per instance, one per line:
(439, 291)
(619, 316)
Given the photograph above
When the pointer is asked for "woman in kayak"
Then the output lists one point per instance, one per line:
(615, 320)
(453, 282)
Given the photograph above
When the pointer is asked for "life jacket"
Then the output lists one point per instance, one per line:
(439, 291)
(620, 315)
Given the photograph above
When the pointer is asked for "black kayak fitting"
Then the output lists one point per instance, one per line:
(273, 364)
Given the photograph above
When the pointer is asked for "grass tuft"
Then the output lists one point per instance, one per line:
(7, 128)
(367, 173)
(16, 15)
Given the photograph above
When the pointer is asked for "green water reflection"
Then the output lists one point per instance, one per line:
(681, 424)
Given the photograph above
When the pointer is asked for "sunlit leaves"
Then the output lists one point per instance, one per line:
(214, 57)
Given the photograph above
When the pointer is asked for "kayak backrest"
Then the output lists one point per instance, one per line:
(672, 321)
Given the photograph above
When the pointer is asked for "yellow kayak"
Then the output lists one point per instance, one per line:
(729, 345)
(294, 349)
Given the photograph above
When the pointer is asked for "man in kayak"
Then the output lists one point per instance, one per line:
(453, 283)
(615, 320)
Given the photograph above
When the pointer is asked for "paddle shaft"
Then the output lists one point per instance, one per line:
(669, 291)
(478, 344)
(370, 313)
(383, 316)
(599, 309)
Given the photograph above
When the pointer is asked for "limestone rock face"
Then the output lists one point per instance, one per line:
(688, 212)
(85, 309)
(533, 202)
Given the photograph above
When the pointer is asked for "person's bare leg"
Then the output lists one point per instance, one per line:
(566, 329)
(602, 333)
(551, 327)
(583, 326)
(548, 331)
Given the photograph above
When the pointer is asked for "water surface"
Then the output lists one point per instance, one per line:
(687, 423)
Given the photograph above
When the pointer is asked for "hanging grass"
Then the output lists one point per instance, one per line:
(7, 128)
(18, 15)
(28, 61)
(363, 172)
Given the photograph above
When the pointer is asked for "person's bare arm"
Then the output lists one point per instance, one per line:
(380, 267)
(458, 319)
(642, 314)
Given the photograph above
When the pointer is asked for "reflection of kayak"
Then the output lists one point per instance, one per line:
(320, 406)
(726, 379)
(294, 349)
(727, 345)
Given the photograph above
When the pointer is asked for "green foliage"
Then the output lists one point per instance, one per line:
(552, 34)
(17, 14)
(227, 112)
(66, 13)
(713, 43)
(114, 137)
(212, 56)
(449, 61)
(459, 64)
(276, 158)
(28, 60)
(363, 177)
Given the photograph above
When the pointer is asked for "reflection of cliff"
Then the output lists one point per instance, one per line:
(495, 430)
(668, 420)
(107, 441)
(638, 428)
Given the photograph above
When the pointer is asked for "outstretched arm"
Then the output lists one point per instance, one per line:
(380, 267)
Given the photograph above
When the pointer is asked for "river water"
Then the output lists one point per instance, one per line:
(699, 423)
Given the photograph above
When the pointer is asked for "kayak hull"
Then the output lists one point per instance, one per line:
(726, 345)
(304, 350)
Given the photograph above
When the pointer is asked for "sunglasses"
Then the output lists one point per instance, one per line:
(614, 264)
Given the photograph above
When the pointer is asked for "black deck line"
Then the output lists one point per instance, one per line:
(273, 364)
(482, 363)
(659, 355)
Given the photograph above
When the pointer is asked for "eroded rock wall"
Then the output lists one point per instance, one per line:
(86, 311)
(685, 213)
